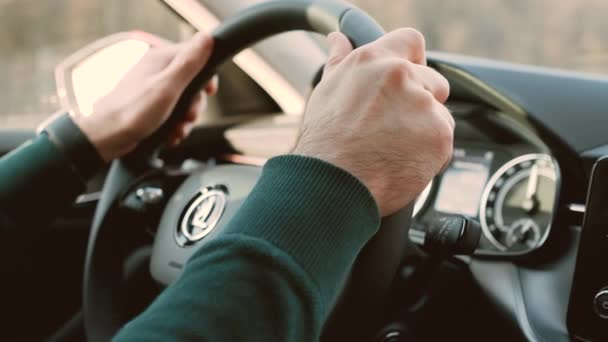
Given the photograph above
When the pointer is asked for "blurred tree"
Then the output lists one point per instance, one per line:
(557, 33)
(35, 35)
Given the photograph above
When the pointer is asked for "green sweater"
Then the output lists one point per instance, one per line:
(272, 275)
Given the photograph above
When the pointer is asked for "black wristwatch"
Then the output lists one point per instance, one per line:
(78, 149)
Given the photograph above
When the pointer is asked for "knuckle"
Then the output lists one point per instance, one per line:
(414, 38)
(333, 61)
(364, 55)
(414, 41)
(398, 72)
(162, 54)
(443, 90)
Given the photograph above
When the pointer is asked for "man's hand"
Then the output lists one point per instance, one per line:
(144, 98)
(378, 114)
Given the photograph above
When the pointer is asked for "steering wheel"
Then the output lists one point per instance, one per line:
(375, 266)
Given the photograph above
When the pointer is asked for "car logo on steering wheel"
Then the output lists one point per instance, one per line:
(202, 215)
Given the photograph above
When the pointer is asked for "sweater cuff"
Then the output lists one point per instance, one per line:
(316, 212)
(74, 144)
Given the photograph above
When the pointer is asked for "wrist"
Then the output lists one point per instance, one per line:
(344, 162)
(108, 141)
(379, 181)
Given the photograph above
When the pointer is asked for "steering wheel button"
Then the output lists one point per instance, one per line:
(150, 195)
(601, 303)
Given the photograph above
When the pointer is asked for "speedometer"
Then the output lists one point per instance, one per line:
(518, 202)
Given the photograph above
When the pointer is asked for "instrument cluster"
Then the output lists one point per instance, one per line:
(511, 193)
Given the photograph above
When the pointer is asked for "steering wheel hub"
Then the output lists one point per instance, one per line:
(201, 215)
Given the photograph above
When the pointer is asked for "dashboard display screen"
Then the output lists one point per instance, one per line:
(463, 182)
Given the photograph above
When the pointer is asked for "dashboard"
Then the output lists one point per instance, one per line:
(505, 181)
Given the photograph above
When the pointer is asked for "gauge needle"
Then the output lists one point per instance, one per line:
(519, 236)
(528, 204)
(526, 227)
(519, 231)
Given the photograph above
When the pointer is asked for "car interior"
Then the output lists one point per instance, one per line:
(524, 193)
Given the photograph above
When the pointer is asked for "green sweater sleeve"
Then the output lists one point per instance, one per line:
(275, 272)
(36, 181)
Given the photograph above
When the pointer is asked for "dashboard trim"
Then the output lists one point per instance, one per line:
(497, 99)
(577, 207)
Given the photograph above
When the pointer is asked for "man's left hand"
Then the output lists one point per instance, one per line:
(143, 100)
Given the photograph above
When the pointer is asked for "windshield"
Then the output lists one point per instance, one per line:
(36, 35)
(557, 33)
(566, 34)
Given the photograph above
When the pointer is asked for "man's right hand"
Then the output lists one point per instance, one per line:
(378, 113)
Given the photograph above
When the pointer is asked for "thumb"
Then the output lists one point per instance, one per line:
(339, 48)
(190, 60)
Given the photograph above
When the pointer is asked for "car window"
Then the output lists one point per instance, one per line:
(556, 33)
(36, 35)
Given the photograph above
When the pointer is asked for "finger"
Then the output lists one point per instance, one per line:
(185, 129)
(181, 132)
(154, 61)
(433, 81)
(195, 108)
(422, 75)
(427, 105)
(163, 55)
(190, 59)
(406, 42)
(173, 141)
(446, 114)
(190, 119)
(339, 48)
(213, 86)
(175, 138)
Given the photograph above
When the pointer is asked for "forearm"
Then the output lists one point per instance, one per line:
(275, 272)
(43, 177)
(242, 289)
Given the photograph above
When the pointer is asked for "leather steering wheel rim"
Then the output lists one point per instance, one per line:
(376, 265)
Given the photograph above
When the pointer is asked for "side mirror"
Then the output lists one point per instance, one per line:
(93, 71)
